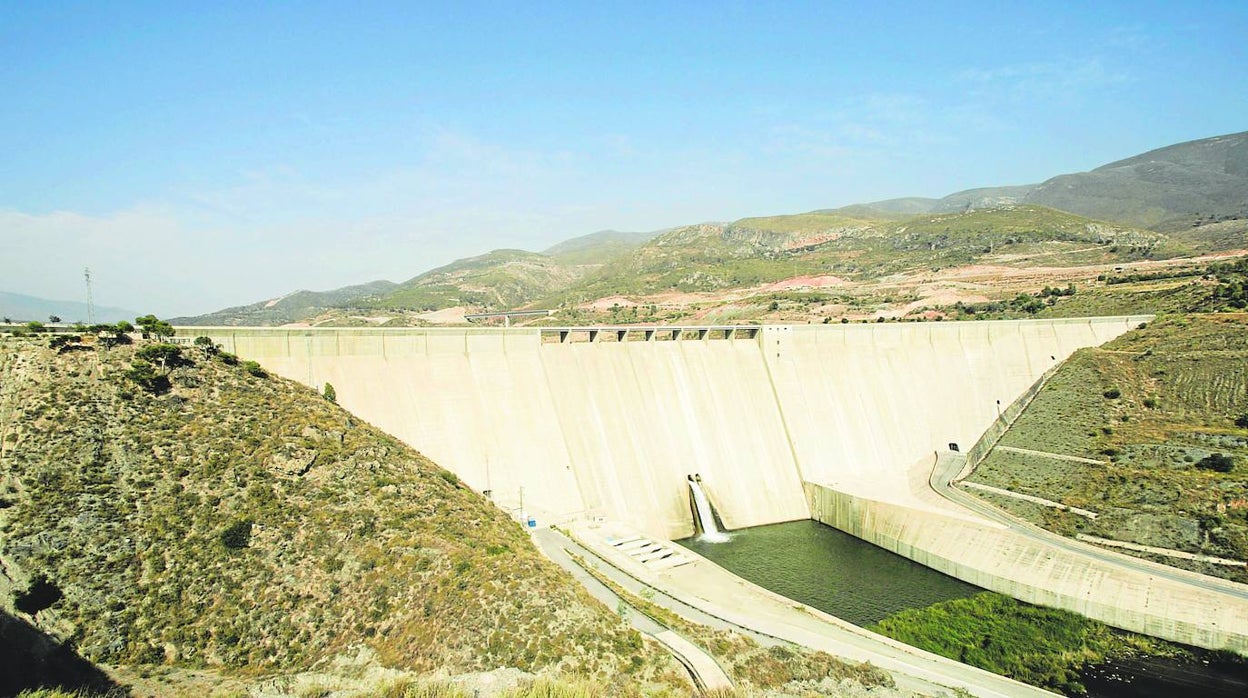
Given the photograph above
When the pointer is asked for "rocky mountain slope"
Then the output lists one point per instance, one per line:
(20, 308)
(1182, 200)
(220, 518)
(1167, 189)
(293, 307)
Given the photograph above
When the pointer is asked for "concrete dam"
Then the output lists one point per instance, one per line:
(842, 423)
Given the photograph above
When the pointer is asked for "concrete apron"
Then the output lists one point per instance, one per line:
(706, 673)
(712, 590)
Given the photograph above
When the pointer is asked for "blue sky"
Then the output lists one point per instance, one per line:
(198, 156)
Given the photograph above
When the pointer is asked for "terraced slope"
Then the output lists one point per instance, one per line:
(1162, 414)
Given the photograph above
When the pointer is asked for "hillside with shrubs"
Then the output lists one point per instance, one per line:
(172, 506)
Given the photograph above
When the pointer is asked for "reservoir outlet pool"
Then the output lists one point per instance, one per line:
(852, 579)
(830, 570)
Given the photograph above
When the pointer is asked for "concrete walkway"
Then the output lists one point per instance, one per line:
(705, 593)
(948, 465)
(706, 673)
(1165, 552)
(1053, 456)
(1029, 498)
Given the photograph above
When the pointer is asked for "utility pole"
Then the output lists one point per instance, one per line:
(86, 274)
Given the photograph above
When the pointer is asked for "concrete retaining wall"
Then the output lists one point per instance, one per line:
(865, 403)
(1003, 561)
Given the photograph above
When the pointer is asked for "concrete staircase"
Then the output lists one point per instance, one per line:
(654, 556)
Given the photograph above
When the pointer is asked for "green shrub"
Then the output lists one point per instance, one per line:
(1242, 421)
(254, 369)
(329, 393)
(145, 375)
(238, 535)
(1217, 462)
(1113, 393)
(163, 353)
(449, 477)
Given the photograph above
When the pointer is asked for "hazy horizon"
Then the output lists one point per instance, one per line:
(198, 160)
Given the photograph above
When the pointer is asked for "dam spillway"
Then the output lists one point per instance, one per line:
(838, 423)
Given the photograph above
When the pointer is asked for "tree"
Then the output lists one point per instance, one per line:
(145, 375)
(330, 394)
(167, 355)
(112, 335)
(238, 535)
(207, 346)
(54, 319)
(154, 327)
(34, 326)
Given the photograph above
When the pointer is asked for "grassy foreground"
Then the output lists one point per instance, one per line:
(1040, 646)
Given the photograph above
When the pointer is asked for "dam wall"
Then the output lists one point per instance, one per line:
(864, 404)
(1008, 562)
(561, 429)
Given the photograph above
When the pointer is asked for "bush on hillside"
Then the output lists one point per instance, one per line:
(166, 355)
(1218, 462)
(238, 535)
(207, 346)
(145, 375)
(254, 369)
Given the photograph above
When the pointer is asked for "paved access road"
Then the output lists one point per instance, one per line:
(949, 464)
(706, 673)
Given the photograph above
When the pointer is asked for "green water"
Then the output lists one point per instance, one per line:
(831, 570)
(854, 580)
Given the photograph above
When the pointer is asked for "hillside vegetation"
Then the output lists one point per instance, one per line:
(1164, 409)
(1181, 288)
(231, 520)
(883, 258)
(1044, 647)
(757, 251)
(497, 280)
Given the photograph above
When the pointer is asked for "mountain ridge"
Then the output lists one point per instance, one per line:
(1163, 195)
(1179, 183)
(22, 308)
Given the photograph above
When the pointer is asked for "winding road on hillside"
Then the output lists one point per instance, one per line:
(949, 464)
